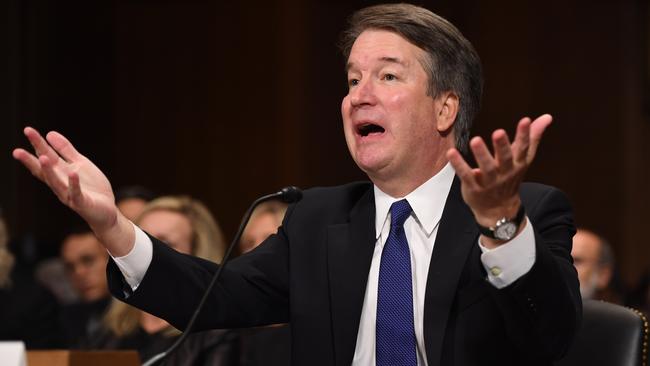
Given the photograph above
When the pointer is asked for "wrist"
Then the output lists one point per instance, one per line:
(489, 217)
(504, 228)
(118, 238)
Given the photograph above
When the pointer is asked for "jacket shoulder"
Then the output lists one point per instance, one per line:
(532, 194)
(333, 203)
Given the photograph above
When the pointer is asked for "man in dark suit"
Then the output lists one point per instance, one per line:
(433, 263)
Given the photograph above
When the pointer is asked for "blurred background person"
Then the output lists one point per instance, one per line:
(188, 227)
(28, 312)
(51, 272)
(265, 220)
(84, 259)
(594, 261)
(269, 346)
(130, 200)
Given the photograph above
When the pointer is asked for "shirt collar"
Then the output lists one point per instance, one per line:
(427, 201)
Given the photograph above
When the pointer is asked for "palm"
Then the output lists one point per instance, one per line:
(75, 180)
(492, 189)
(98, 202)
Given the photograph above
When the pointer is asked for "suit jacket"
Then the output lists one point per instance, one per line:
(313, 274)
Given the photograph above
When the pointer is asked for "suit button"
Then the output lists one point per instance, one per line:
(496, 271)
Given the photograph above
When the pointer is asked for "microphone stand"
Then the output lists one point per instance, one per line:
(288, 195)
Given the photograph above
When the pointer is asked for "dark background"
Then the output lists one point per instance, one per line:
(226, 101)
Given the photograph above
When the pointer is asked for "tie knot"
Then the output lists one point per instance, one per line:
(399, 212)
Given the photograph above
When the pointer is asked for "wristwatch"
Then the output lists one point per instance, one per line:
(505, 228)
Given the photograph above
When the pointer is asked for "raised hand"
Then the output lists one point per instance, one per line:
(78, 184)
(492, 189)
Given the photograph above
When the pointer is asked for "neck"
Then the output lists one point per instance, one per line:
(403, 184)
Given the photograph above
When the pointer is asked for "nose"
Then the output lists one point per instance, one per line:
(362, 94)
(79, 272)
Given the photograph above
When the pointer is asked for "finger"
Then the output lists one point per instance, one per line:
(537, 128)
(63, 146)
(52, 178)
(40, 145)
(522, 141)
(502, 150)
(484, 159)
(463, 170)
(74, 190)
(29, 161)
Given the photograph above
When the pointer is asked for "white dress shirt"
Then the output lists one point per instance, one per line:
(504, 264)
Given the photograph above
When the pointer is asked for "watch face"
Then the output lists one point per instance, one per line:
(505, 231)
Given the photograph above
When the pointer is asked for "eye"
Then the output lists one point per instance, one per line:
(87, 260)
(353, 82)
(390, 77)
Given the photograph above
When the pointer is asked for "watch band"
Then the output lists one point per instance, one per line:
(489, 231)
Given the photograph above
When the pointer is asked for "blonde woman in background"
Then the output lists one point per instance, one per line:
(187, 226)
(264, 221)
(6, 258)
(270, 345)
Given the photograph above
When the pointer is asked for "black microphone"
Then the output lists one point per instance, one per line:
(289, 194)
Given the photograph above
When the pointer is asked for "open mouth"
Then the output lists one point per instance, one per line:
(369, 129)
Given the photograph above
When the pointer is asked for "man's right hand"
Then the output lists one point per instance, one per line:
(80, 185)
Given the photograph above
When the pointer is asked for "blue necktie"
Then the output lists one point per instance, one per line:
(395, 332)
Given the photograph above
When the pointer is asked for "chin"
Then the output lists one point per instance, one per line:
(371, 157)
(371, 167)
(364, 163)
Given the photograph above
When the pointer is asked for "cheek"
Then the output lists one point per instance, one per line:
(185, 243)
(583, 272)
(397, 106)
(77, 276)
(396, 100)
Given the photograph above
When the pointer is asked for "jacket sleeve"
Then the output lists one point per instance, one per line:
(252, 289)
(543, 308)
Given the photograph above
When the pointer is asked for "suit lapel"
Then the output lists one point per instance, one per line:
(456, 236)
(350, 248)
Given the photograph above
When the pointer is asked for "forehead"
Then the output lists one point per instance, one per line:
(378, 45)
(165, 222)
(77, 244)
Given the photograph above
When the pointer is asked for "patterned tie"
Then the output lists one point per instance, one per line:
(395, 331)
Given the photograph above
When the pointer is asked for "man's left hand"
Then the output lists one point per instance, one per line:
(492, 189)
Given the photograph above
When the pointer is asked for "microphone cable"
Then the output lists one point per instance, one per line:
(289, 194)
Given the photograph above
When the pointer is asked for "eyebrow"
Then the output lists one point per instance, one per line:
(384, 59)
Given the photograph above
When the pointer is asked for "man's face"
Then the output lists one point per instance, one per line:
(586, 255)
(390, 122)
(85, 262)
(131, 207)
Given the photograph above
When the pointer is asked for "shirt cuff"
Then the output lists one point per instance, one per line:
(134, 265)
(508, 262)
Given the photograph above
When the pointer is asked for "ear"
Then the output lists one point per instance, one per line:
(448, 103)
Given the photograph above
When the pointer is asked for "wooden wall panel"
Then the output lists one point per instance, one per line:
(227, 101)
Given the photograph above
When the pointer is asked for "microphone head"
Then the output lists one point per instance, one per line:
(290, 194)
